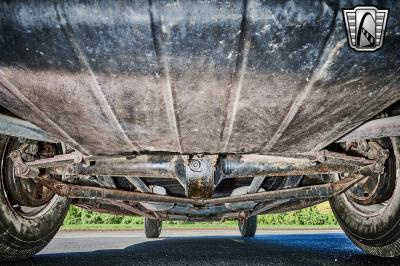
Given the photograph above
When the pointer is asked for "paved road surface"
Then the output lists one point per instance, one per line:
(203, 247)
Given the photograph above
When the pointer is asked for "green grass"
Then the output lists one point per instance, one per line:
(182, 226)
(315, 216)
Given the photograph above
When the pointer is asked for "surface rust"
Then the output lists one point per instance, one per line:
(310, 192)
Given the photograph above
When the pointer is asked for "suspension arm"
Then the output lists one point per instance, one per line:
(87, 192)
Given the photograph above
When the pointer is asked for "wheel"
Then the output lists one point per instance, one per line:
(369, 213)
(248, 226)
(152, 227)
(30, 215)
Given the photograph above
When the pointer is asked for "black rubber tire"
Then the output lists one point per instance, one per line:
(21, 237)
(248, 226)
(152, 227)
(377, 234)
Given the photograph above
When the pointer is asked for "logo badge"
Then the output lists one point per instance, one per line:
(365, 26)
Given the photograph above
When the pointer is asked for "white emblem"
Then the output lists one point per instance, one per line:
(365, 26)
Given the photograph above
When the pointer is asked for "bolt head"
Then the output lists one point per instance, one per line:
(195, 165)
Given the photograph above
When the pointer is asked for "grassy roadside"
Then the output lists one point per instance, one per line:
(187, 226)
(319, 216)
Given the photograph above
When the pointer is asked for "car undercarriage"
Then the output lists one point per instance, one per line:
(195, 110)
(200, 186)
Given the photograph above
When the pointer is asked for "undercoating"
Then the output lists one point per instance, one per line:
(120, 77)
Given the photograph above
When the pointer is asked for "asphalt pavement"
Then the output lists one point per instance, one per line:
(204, 247)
